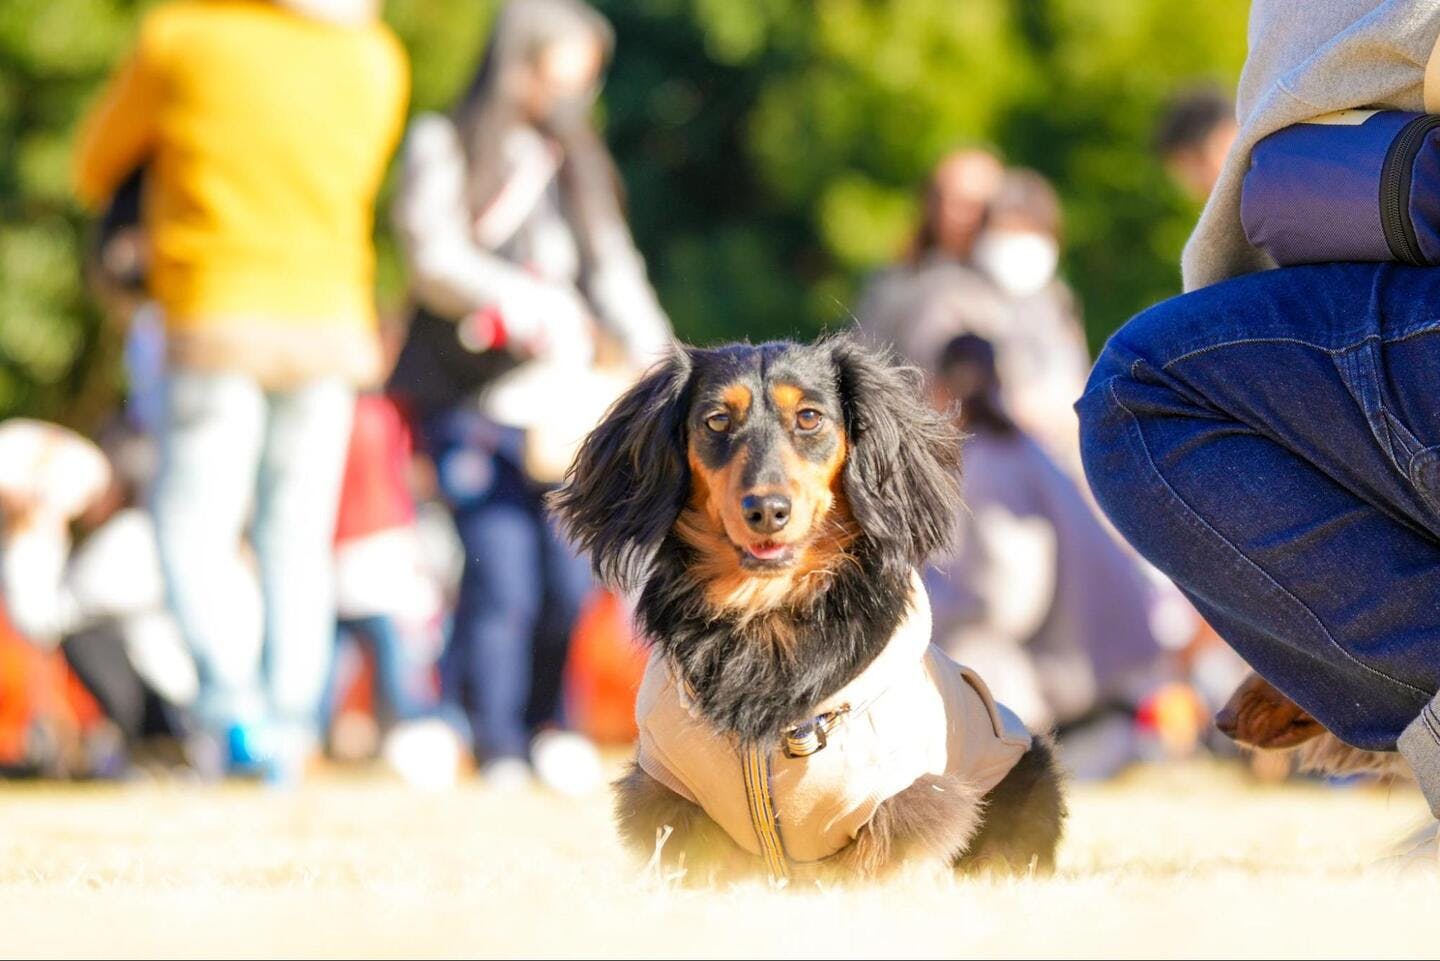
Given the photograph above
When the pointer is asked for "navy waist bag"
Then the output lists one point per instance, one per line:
(1359, 185)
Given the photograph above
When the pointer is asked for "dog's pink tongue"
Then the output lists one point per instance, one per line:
(767, 551)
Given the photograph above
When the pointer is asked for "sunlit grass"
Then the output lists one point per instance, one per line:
(1186, 861)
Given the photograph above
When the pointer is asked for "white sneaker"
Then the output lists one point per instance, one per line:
(506, 775)
(566, 762)
(425, 754)
(292, 749)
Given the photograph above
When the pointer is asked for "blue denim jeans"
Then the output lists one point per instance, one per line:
(232, 453)
(398, 696)
(520, 591)
(1273, 445)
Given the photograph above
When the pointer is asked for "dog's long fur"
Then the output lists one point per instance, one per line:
(760, 651)
(1013, 829)
(1259, 717)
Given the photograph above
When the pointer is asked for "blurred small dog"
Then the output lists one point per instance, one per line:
(771, 505)
(1258, 716)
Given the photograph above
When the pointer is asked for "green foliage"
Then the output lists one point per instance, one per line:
(53, 53)
(795, 170)
(771, 149)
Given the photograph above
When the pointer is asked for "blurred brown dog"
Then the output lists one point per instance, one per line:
(1259, 717)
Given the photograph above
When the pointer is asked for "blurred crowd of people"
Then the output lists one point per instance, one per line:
(1070, 628)
(313, 530)
(285, 516)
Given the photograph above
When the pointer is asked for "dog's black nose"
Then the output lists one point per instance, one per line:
(766, 514)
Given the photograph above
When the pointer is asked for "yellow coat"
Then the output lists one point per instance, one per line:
(267, 134)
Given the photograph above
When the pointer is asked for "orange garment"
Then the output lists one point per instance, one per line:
(37, 684)
(603, 671)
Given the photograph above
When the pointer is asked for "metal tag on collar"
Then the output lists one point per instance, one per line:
(806, 739)
(809, 738)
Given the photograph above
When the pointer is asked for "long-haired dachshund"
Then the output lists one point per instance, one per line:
(1259, 717)
(771, 504)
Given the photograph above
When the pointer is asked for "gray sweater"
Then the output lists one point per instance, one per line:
(1308, 59)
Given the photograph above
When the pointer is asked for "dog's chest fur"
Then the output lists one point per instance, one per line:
(755, 676)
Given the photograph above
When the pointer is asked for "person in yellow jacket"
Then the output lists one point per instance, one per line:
(264, 129)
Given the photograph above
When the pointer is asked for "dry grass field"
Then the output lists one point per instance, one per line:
(1191, 861)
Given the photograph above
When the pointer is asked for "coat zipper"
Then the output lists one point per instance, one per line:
(1395, 176)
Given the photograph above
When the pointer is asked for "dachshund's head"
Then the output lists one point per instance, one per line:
(775, 465)
(1259, 716)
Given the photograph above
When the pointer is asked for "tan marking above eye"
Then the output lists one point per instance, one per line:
(787, 396)
(737, 397)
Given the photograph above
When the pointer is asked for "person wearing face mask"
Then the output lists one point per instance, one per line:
(532, 307)
(1039, 341)
(994, 276)
(938, 265)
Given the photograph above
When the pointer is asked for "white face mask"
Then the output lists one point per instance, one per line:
(1021, 262)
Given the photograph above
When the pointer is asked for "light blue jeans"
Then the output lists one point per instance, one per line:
(231, 453)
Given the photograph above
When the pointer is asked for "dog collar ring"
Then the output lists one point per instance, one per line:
(810, 737)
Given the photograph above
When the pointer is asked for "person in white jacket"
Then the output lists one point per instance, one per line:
(523, 274)
(101, 601)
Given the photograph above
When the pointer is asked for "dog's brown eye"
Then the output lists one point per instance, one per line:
(719, 423)
(808, 419)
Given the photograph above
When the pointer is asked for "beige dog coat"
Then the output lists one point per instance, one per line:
(912, 712)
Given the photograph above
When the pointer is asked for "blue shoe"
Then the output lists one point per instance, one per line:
(250, 750)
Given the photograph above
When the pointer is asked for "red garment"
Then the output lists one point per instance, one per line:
(37, 686)
(375, 493)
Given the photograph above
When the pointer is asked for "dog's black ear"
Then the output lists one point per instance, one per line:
(630, 478)
(902, 476)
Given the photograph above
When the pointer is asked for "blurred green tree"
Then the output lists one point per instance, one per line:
(771, 149)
